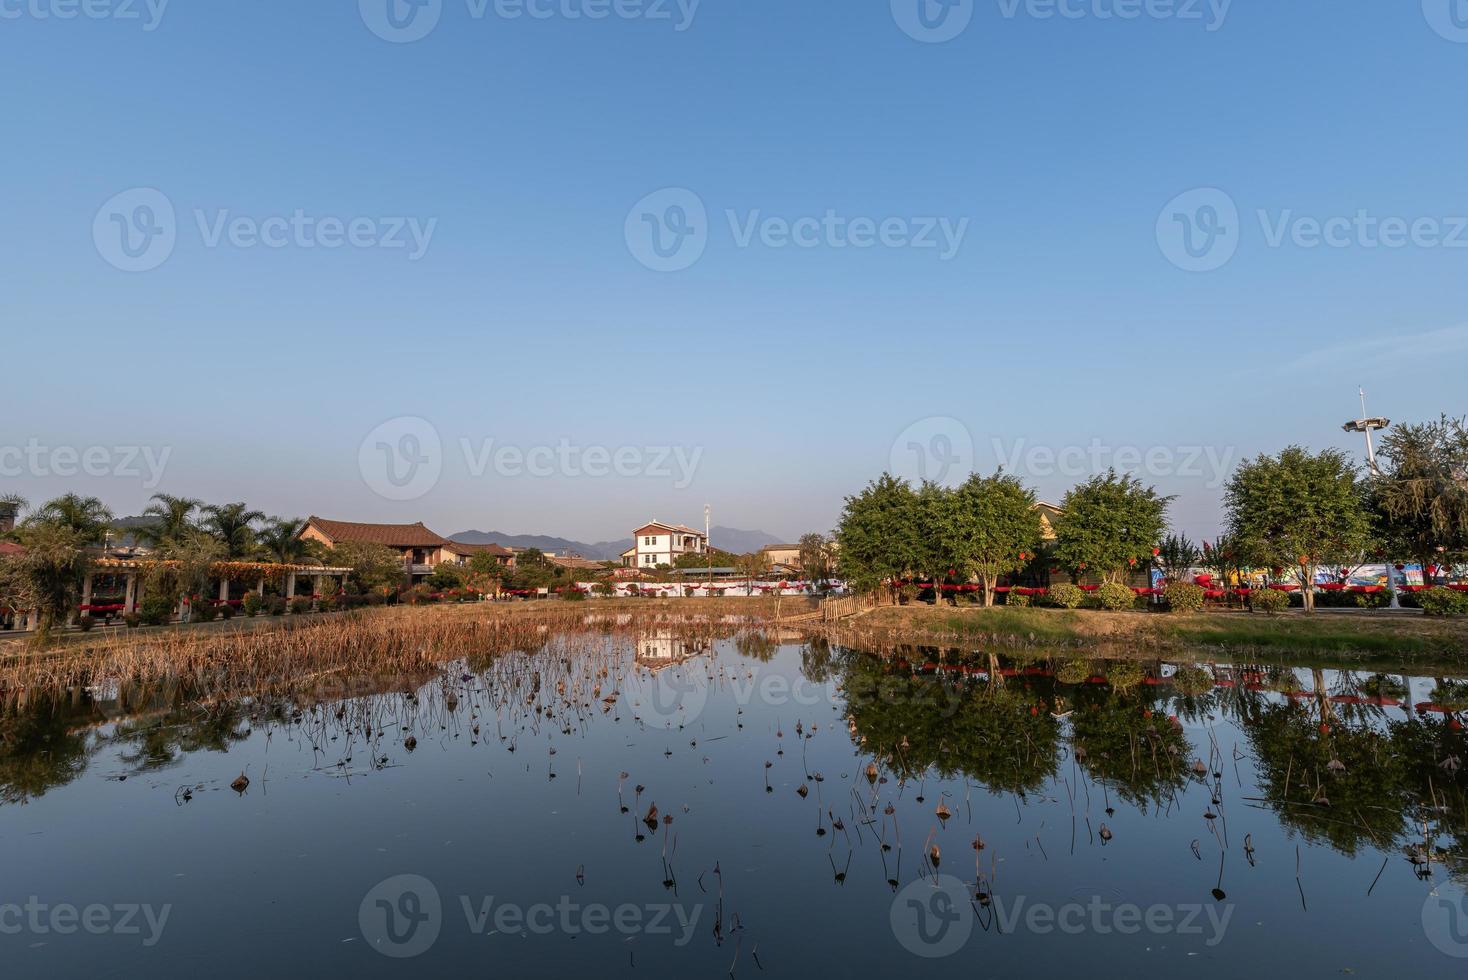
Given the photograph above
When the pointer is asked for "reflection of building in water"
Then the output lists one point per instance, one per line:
(663, 649)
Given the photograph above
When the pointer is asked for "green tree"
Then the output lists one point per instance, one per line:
(375, 568)
(1298, 509)
(991, 528)
(1177, 556)
(170, 518)
(87, 516)
(233, 525)
(815, 558)
(280, 541)
(878, 533)
(1420, 497)
(48, 575)
(1109, 524)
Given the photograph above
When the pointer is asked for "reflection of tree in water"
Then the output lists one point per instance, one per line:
(1001, 735)
(1124, 741)
(757, 645)
(158, 742)
(41, 747)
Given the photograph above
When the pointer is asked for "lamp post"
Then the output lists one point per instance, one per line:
(1366, 425)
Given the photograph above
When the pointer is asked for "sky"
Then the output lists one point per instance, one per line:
(562, 266)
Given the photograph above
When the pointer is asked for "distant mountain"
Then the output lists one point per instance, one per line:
(724, 538)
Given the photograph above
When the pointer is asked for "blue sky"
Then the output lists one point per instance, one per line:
(1072, 152)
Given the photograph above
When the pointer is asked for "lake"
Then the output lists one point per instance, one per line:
(658, 805)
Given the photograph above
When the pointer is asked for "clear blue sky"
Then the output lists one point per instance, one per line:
(529, 320)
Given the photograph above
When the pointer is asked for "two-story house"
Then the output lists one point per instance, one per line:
(656, 543)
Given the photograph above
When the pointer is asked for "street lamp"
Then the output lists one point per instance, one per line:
(1367, 424)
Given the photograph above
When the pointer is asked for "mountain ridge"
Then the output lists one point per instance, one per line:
(732, 539)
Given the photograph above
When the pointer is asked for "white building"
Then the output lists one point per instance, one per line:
(656, 543)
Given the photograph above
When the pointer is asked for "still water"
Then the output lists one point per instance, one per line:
(758, 805)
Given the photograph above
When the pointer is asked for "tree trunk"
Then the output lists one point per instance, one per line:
(1307, 587)
(989, 585)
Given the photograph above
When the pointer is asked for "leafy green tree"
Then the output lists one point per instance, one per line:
(815, 558)
(991, 528)
(233, 525)
(169, 518)
(280, 541)
(713, 558)
(933, 503)
(1298, 509)
(1177, 556)
(878, 533)
(88, 516)
(375, 568)
(1109, 524)
(1420, 498)
(48, 575)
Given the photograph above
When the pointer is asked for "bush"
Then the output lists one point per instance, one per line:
(300, 605)
(1016, 599)
(573, 595)
(253, 604)
(1123, 675)
(85, 623)
(1271, 601)
(1077, 670)
(202, 611)
(604, 589)
(1067, 596)
(275, 605)
(133, 620)
(1116, 597)
(1443, 602)
(1184, 597)
(155, 610)
(329, 603)
(226, 611)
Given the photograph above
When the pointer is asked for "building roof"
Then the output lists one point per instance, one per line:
(469, 550)
(392, 535)
(680, 528)
(578, 563)
(781, 547)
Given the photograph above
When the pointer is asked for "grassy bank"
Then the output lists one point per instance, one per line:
(1407, 637)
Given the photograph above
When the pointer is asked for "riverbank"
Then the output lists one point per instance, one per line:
(1411, 637)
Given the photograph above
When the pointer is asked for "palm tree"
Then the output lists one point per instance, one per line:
(233, 525)
(281, 541)
(172, 517)
(87, 516)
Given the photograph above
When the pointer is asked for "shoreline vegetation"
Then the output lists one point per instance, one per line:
(271, 655)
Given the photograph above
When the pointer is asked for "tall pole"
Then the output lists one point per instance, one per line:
(1370, 450)
(708, 554)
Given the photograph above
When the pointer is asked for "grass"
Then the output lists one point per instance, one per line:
(1236, 632)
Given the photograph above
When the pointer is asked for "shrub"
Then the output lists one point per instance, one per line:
(253, 604)
(1067, 596)
(133, 620)
(1123, 675)
(1074, 671)
(1116, 597)
(203, 612)
(85, 623)
(226, 611)
(300, 605)
(328, 603)
(604, 589)
(275, 605)
(1016, 599)
(573, 595)
(1184, 597)
(1443, 602)
(1271, 601)
(155, 610)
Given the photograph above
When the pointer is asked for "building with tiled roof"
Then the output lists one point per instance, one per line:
(657, 543)
(461, 554)
(420, 548)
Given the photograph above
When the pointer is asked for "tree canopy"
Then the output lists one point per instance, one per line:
(1110, 523)
(989, 527)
